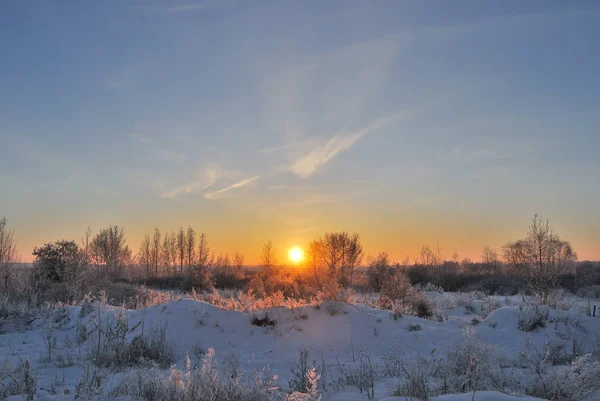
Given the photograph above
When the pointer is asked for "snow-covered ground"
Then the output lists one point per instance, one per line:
(343, 341)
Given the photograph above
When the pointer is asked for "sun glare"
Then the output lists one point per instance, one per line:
(295, 255)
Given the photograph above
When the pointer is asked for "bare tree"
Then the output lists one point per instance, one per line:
(8, 254)
(181, 244)
(145, 255)
(541, 257)
(379, 271)
(155, 251)
(430, 258)
(315, 259)
(169, 251)
(223, 263)
(406, 261)
(110, 249)
(86, 245)
(238, 260)
(204, 258)
(490, 259)
(341, 252)
(190, 247)
(455, 257)
(268, 258)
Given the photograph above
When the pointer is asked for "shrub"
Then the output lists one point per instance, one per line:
(299, 383)
(560, 299)
(420, 305)
(91, 384)
(414, 327)
(229, 277)
(399, 295)
(413, 380)
(577, 382)
(592, 291)
(498, 285)
(395, 289)
(21, 381)
(378, 272)
(61, 272)
(163, 283)
(110, 348)
(199, 384)
(469, 365)
(532, 317)
(264, 321)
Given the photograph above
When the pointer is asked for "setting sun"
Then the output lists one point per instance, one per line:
(295, 255)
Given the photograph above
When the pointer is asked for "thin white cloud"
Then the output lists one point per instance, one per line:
(308, 164)
(219, 194)
(334, 87)
(209, 178)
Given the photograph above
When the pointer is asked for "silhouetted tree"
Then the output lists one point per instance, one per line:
(238, 260)
(145, 254)
(8, 254)
(181, 245)
(341, 252)
(190, 248)
(430, 258)
(61, 262)
(169, 251)
(268, 257)
(205, 257)
(379, 272)
(541, 257)
(155, 251)
(490, 260)
(110, 249)
(315, 253)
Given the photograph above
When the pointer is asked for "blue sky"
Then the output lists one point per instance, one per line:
(410, 122)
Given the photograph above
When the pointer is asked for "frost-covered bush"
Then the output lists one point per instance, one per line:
(415, 380)
(204, 383)
(110, 347)
(378, 272)
(560, 300)
(397, 293)
(488, 306)
(470, 365)
(592, 291)
(131, 296)
(432, 287)
(247, 301)
(21, 380)
(413, 374)
(91, 384)
(532, 317)
(299, 383)
(576, 382)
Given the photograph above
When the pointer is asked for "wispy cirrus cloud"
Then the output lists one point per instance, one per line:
(220, 193)
(334, 87)
(308, 164)
(207, 177)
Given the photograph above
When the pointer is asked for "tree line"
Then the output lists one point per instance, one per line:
(539, 259)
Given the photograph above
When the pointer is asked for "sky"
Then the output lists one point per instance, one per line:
(446, 123)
